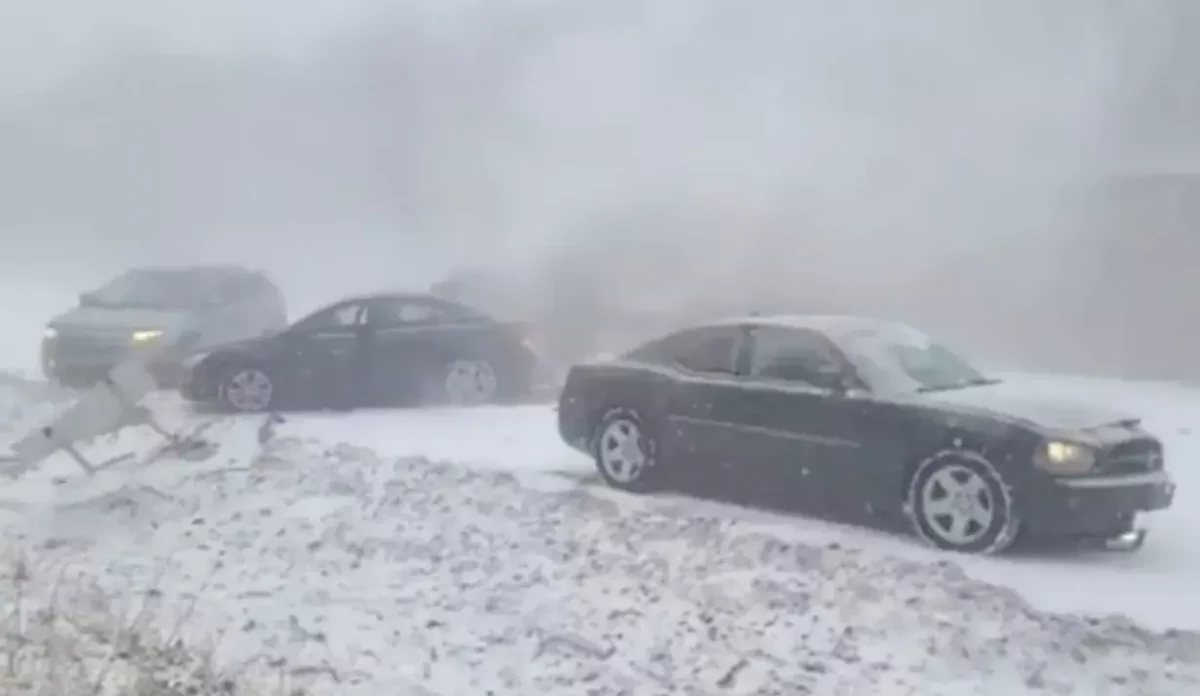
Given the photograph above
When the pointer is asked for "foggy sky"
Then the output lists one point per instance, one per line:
(929, 160)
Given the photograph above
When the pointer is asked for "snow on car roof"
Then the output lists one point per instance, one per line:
(830, 324)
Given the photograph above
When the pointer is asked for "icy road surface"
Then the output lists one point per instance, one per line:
(341, 554)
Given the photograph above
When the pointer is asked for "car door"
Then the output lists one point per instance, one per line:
(406, 346)
(705, 448)
(322, 357)
(798, 395)
(789, 438)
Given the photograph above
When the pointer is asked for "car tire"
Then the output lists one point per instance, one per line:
(247, 388)
(625, 452)
(468, 383)
(958, 501)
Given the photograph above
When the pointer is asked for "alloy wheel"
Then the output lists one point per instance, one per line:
(249, 390)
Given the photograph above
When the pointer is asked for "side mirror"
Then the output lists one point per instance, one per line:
(87, 299)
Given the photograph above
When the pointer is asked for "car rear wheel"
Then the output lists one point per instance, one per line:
(469, 382)
(958, 501)
(248, 389)
(625, 453)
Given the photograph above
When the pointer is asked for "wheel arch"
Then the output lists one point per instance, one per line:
(996, 441)
(218, 364)
(591, 392)
(218, 367)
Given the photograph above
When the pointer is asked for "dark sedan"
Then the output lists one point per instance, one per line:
(382, 350)
(865, 422)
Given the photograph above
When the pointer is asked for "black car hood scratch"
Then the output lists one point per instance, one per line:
(1010, 401)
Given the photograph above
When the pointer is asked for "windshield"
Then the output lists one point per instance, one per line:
(899, 358)
(156, 289)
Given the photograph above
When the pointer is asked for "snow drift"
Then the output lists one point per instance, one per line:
(341, 571)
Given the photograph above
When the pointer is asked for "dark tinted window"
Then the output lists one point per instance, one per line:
(239, 287)
(250, 284)
(340, 317)
(409, 311)
(715, 354)
(710, 350)
(794, 355)
(162, 288)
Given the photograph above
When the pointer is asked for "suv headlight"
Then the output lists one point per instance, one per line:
(49, 332)
(146, 336)
(1063, 458)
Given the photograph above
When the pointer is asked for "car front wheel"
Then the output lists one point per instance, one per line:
(626, 453)
(248, 389)
(958, 501)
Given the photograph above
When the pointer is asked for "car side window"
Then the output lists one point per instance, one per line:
(706, 351)
(343, 317)
(236, 288)
(406, 312)
(794, 355)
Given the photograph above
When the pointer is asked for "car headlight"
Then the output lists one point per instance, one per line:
(49, 332)
(146, 336)
(1065, 458)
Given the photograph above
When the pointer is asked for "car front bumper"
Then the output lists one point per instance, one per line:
(1099, 506)
(85, 370)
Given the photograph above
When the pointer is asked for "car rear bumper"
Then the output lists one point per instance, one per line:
(1096, 506)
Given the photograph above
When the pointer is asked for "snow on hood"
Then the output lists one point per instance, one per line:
(122, 319)
(383, 576)
(1016, 401)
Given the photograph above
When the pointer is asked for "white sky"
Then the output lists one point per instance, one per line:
(41, 40)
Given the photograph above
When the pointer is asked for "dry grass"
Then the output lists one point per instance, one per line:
(63, 636)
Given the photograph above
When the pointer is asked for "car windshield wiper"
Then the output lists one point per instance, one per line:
(975, 382)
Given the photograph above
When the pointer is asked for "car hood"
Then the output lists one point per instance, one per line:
(107, 319)
(1010, 401)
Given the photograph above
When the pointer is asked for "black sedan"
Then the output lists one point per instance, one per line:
(865, 422)
(382, 350)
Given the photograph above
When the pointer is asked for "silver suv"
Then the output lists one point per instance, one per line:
(169, 313)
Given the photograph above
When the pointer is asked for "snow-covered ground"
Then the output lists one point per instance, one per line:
(466, 551)
(1155, 586)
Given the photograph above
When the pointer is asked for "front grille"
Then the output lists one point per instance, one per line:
(90, 349)
(1135, 456)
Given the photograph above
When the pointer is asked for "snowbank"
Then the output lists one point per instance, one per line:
(341, 572)
(25, 403)
(79, 641)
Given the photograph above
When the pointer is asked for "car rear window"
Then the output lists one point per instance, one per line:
(698, 350)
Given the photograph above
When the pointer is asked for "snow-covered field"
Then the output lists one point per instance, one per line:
(467, 552)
